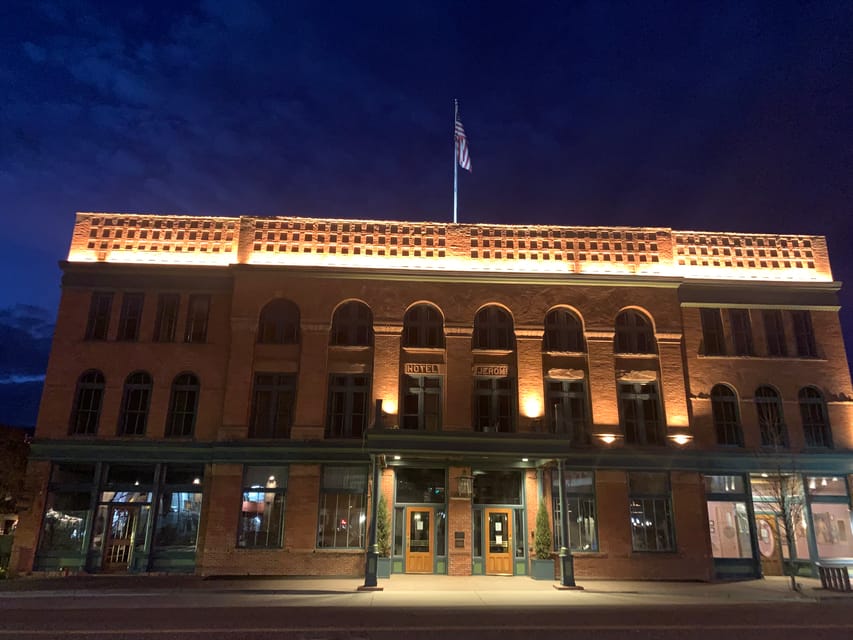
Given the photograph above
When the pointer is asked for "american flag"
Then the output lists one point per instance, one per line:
(462, 156)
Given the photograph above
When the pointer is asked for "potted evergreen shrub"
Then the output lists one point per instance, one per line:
(383, 539)
(542, 562)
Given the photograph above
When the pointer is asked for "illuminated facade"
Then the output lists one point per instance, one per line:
(219, 387)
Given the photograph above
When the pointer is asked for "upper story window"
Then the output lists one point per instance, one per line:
(634, 333)
(741, 332)
(566, 410)
(713, 340)
(87, 404)
(352, 325)
(421, 403)
(349, 405)
(639, 408)
(279, 323)
(134, 405)
(493, 329)
(131, 316)
(774, 333)
(423, 327)
(183, 406)
(100, 308)
(167, 317)
(804, 334)
(771, 422)
(563, 332)
(273, 401)
(724, 408)
(815, 421)
(197, 316)
(494, 404)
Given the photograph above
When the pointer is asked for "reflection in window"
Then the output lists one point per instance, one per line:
(262, 512)
(64, 524)
(177, 520)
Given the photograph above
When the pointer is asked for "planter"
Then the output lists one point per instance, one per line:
(383, 567)
(542, 569)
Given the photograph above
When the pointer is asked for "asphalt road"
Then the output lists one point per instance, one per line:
(262, 616)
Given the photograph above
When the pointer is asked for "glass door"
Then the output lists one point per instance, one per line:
(120, 537)
(419, 547)
(499, 548)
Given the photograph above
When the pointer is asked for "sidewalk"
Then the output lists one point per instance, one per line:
(431, 590)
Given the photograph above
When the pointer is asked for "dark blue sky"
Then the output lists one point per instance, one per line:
(718, 116)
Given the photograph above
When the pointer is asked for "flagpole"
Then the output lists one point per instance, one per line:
(455, 178)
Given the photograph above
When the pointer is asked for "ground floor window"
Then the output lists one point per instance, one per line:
(728, 517)
(779, 503)
(179, 509)
(343, 496)
(650, 512)
(830, 512)
(262, 510)
(580, 500)
(64, 525)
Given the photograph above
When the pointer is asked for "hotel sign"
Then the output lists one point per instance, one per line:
(494, 370)
(423, 369)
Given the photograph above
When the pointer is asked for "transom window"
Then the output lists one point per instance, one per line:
(348, 406)
(279, 323)
(634, 333)
(493, 329)
(713, 340)
(815, 422)
(183, 405)
(273, 402)
(566, 410)
(563, 332)
(352, 325)
(421, 403)
(135, 403)
(87, 404)
(423, 327)
(770, 418)
(494, 407)
(639, 406)
(724, 408)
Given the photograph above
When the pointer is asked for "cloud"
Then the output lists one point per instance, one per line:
(26, 332)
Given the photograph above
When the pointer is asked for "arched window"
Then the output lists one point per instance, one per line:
(87, 404)
(183, 406)
(563, 332)
(770, 418)
(634, 333)
(423, 327)
(352, 325)
(279, 323)
(493, 329)
(815, 421)
(134, 405)
(724, 408)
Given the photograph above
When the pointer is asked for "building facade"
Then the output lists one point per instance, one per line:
(219, 388)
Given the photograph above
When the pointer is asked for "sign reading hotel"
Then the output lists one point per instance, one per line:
(494, 370)
(423, 369)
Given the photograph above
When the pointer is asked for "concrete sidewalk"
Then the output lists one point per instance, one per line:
(431, 590)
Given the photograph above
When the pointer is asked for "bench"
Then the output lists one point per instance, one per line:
(834, 577)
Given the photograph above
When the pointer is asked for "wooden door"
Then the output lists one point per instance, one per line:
(768, 544)
(499, 548)
(121, 528)
(419, 548)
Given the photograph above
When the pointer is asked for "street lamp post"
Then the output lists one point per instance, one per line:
(567, 568)
(372, 560)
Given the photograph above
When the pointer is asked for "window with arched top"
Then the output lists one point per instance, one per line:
(563, 332)
(724, 409)
(134, 405)
(183, 406)
(352, 325)
(279, 323)
(815, 421)
(634, 333)
(88, 399)
(423, 327)
(771, 421)
(493, 329)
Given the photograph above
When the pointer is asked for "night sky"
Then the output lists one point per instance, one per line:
(719, 116)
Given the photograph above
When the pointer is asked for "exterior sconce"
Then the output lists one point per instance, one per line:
(681, 439)
(465, 486)
(608, 438)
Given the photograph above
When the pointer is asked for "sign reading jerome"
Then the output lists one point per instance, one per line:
(496, 370)
(421, 369)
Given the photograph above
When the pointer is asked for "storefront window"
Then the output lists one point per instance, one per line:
(64, 525)
(778, 498)
(728, 518)
(343, 494)
(262, 512)
(833, 530)
(580, 500)
(651, 512)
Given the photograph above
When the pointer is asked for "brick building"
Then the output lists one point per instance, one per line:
(219, 388)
